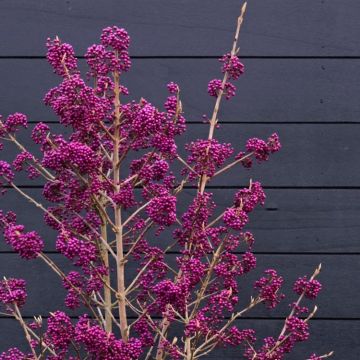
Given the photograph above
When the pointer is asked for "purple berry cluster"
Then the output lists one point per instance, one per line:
(12, 292)
(113, 186)
(233, 69)
(310, 288)
(28, 245)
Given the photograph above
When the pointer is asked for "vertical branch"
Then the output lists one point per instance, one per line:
(213, 121)
(313, 276)
(206, 282)
(107, 290)
(117, 214)
(188, 349)
(204, 178)
(104, 253)
(24, 327)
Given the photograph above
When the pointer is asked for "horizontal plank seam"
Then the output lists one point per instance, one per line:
(231, 187)
(150, 57)
(227, 122)
(282, 187)
(277, 318)
(270, 253)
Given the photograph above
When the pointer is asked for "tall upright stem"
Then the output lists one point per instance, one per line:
(117, 214)
(213, 121)
(25, 329)
(107, 290)
(297, 303)
(204, 178)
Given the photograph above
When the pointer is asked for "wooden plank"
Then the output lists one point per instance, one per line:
(271, 90)
(312, 155)
(160, 27)
(292, 220)
(338, 300)
(344, 341)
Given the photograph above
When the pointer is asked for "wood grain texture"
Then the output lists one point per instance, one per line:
(312, 155)
(292, 220)
(205, 27)
(271, 90)
(332, 303)
(323, 338)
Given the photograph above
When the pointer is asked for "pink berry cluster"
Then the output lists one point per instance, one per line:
(28, 244)
(269, 288)
(162, 210)
(23, 161)
(232, 66)
(297, 330)
(207, 155)
(215, 87)
(245, 202)
(260, 149)
(13, 123)
(112, 185)
(14, 354)
(61, 57)
(6, 173)
(13, 292)
(263, 149)
(84, 336)
(310, 288)
(233, 69)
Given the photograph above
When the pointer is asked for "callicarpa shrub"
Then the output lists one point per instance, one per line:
(114, 188)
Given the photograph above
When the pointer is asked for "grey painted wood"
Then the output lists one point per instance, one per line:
(160, 27)
(344, 340)
(312, 155)
(292, 220)
(295, 220)
(271, 90)
(338, 300)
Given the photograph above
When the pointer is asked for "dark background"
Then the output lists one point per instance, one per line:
(302, 60)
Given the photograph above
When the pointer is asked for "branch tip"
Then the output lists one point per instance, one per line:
(243, 8)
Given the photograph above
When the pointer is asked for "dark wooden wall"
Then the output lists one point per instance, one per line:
(302, 80)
